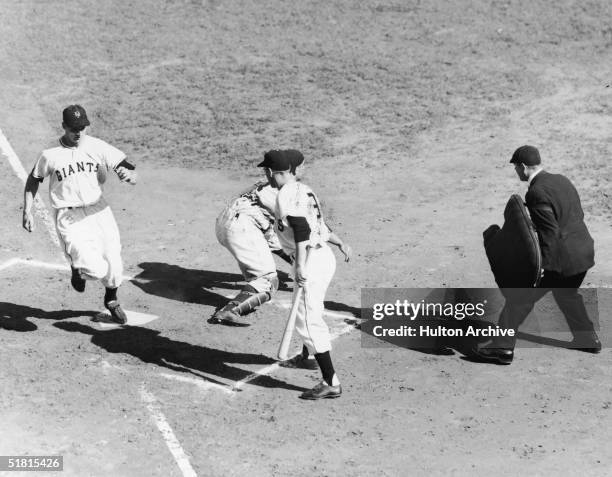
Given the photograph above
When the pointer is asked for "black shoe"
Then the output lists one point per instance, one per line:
(299, 362)
(494, 355)
(322, 391)
(77, 282)
(228, 318)
(117, 313)
(589, 345)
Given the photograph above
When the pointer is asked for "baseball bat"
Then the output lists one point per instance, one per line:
(283, 349)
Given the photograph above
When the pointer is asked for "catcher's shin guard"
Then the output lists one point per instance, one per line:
(247, 301)
(240, 305)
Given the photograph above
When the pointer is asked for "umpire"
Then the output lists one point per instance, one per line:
(567, 254)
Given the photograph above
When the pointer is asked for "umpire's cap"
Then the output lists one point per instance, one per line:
(527, 155)
(74, 116)
(282, 160)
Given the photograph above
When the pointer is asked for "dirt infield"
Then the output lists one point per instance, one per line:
(407, 114)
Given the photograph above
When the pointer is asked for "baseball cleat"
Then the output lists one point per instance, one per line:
(228, 318)
(77, 281)
(299, 362)
(322, 391)
(117, 313)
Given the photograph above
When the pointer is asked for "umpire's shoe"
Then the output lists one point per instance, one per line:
(587, 342)
(322, 391)
(117, 313)
(493, 355)
(77, 281)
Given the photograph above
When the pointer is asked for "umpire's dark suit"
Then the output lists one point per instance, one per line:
(567, 254)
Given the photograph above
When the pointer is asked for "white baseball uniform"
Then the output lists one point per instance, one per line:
(244, 227)
(84, 222)
(298, 200)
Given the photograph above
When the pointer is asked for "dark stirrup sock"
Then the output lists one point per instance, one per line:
(110, 295)
(327, 368)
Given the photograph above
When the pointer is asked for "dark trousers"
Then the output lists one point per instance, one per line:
(520, 302)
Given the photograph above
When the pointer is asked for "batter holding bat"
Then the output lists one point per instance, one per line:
(84, 221)
(303, 235)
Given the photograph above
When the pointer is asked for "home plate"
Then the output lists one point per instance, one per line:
(133, 319)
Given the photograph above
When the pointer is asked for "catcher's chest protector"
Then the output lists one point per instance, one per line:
(514, 250)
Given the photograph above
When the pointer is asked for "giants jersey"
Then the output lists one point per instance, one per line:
(298, 200)
(73, 171)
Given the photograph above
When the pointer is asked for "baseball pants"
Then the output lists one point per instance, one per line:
(247, 244)
(309, 324)
(90, 237)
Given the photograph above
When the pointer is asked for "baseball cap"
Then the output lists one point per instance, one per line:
(74, 116)
(527, 155)
(282, 160)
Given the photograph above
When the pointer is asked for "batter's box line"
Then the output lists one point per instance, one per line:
(332, 314)
(273, 367)
(40, 264)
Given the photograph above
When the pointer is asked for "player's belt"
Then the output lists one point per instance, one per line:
(82, 206)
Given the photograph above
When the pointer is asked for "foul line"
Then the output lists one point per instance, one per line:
(41, 210)
(172, 442)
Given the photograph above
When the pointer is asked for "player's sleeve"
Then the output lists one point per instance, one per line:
(111, 156)
(301, 229)
(41, 168)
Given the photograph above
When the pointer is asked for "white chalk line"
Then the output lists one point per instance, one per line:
(39, 264)
(172, 442)
(273, 367)
(9, 263)
(331, 314)
(201, 383)
(41, 210)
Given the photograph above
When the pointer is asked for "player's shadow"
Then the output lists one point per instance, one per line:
(150, 347)
(337, 306)
(184, 284)
(543, 340)
(190, 285)
(14, 317)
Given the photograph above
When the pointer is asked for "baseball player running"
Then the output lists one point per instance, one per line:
(303, 235)
(245, 229)
(84, 222)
